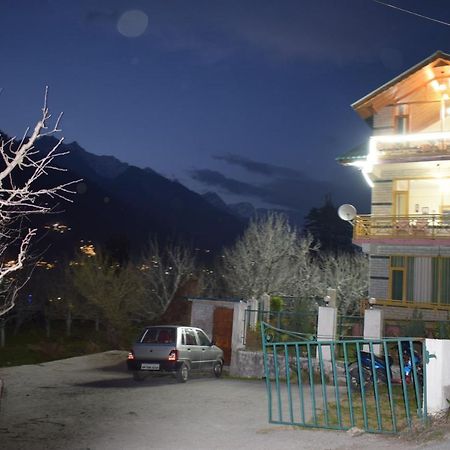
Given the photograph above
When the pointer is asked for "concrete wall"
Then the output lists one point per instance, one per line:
(251, 365)
(438, 375)
(202, 316)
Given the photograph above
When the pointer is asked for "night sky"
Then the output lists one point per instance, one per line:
(248, 98)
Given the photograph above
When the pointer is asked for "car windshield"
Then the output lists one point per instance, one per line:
(159, 335)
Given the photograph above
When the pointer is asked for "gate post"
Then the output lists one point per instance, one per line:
(373, 328)
(326, 328)
(437, 374)
(252, 308)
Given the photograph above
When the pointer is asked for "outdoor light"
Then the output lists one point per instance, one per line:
(327, 299)
(372, 301)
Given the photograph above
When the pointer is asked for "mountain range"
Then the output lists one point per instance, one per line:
(120, 205)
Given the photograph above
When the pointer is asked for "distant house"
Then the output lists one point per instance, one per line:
(407, 164)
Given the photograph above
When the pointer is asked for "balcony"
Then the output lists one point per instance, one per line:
(428, 226)
(410, 147)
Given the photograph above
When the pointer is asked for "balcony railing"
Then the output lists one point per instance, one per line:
(421, 146)
(428, 226)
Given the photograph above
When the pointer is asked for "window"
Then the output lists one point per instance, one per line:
(190, 338)
(157, 335)
(420, 279)
(401, 122)
(397, 278)
(441, 280)
(202, 338)
(401, 188)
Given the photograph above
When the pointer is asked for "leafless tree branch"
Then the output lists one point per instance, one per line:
(22, 168)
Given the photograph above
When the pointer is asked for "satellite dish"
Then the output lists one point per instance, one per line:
(347, 212)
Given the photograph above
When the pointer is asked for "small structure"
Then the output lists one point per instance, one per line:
(222, 319)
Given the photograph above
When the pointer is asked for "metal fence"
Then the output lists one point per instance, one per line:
(300, 322)
(416, 326)
(305, 322)
(375, 385)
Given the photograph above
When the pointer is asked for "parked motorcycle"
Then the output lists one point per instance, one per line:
(366, 375)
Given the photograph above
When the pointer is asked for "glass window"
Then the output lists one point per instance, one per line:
(397, 284)
(190, 337)
(202, 338)
(159, 335)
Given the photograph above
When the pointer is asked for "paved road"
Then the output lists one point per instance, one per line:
(91, 403)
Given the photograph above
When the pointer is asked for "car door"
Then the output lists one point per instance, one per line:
(208, 354)
(192, 351)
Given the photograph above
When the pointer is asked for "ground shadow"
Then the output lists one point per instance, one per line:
(120, 367)
(150, 381)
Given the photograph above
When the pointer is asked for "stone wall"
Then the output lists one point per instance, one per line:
(251, 365)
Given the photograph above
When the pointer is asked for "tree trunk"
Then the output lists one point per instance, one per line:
(2, 333)
(97, 324)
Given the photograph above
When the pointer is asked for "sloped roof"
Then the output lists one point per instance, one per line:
(383, 95)
(356, 153)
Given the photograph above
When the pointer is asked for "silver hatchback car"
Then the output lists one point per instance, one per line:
(174, 349)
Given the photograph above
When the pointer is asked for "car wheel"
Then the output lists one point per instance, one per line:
(183, 373)
(217, 369)
(138, 376)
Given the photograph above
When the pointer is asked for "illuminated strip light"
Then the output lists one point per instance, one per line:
(392, 138)
(367, 178)
(366, 165)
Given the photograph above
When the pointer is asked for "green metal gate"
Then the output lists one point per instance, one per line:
(375, 385)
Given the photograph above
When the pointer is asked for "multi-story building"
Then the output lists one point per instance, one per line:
(407, 164)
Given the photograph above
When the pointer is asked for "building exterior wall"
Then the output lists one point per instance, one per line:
(382, 198)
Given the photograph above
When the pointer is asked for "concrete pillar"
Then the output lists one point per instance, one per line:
(331, 295)
(373, 328)
(252, 317)
(265, 303)
(326, 329)
(438, 375)
(238, 334)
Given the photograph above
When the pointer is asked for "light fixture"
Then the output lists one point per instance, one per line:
(372, 301)
(367, 178)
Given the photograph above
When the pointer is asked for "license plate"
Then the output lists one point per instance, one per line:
(149, 366)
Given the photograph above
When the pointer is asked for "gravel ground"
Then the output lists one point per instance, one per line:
(91, 402)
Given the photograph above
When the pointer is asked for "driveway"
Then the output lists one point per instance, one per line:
(91, 402)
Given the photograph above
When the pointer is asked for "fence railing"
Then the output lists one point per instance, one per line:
(375, 385)
(424, 226)
(300, 322)
(304, 322)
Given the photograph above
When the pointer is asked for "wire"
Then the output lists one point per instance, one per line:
(412, 13)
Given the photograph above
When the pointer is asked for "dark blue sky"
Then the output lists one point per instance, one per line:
(250, 99)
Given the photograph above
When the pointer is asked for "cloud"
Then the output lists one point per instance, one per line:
(258, 167)
(284, 187)
(288, 31)
(230, 185)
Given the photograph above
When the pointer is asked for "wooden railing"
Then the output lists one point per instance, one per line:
(431, 226)
(413, 147)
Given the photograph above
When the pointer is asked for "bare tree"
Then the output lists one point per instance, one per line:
(165, 271)
(348, 273)
(306, 281)
(22, 194)
(261, 260)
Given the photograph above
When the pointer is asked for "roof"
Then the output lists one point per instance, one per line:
(356, 153)
(364, 105)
